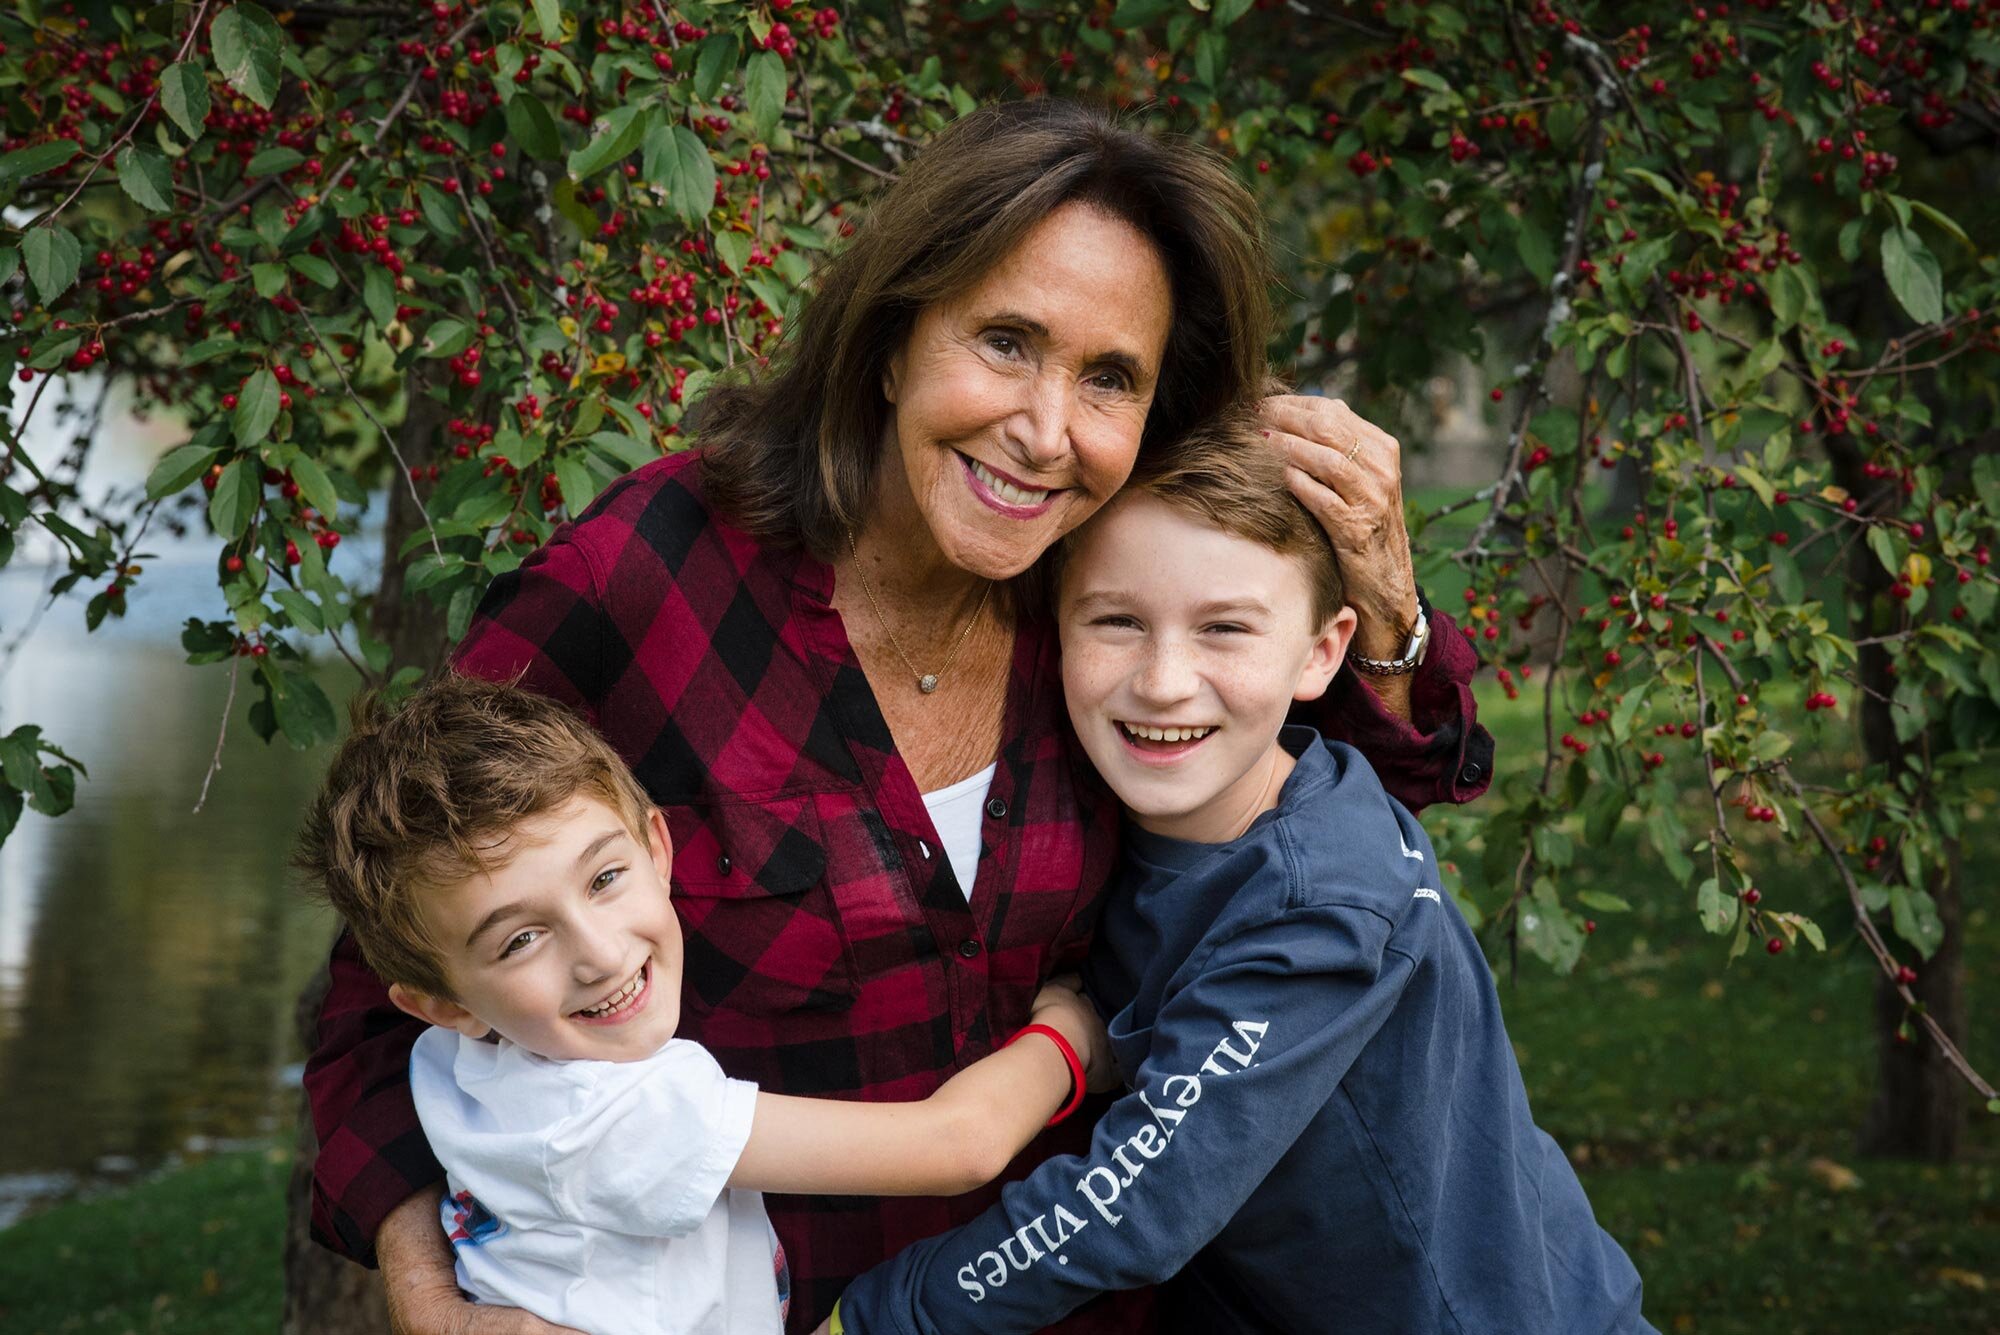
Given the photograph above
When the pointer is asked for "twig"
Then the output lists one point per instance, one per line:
(215, 763)
(388, 437)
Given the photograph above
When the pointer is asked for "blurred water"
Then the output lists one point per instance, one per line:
(149, 957)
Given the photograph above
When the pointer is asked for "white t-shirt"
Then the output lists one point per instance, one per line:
(957, 813)
(595, 1194)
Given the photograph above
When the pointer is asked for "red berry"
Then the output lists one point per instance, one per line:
(1905, 975)
(1775, 945)
(1752, 895)
(233, 564)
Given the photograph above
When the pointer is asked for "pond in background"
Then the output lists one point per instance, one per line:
(150, 957)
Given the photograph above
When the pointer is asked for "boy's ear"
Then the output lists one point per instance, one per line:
(1329, 651)
(443, 1013)
(661, 843)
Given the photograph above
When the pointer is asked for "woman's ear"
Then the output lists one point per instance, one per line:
(440, 1011)
(892, 375)
(1329, 651)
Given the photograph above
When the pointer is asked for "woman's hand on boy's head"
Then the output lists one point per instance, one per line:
(1349, 473)
(1060, 1006)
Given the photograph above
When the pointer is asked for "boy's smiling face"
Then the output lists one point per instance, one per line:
(1183, 647)
(570, 947)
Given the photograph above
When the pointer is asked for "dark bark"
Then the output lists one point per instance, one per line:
(325, 1294)
(1919, 1106)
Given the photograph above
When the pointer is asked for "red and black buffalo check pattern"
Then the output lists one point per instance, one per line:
(830, 950)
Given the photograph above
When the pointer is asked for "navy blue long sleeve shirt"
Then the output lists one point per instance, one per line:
(1325, 1125)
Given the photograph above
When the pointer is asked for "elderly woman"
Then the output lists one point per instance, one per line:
(818, 641)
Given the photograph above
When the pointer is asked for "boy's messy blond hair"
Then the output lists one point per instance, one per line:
(1227, 475)
(425, 796)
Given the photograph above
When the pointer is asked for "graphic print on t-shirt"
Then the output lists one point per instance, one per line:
(472, 1223)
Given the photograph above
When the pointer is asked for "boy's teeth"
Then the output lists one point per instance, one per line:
(1006, 490)
(1148, 734)
(620, 999)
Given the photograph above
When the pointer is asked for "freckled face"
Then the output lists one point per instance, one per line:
(1017, 406)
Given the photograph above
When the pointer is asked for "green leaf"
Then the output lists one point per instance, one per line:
(440, 211)
(246, 41)
(734, 250)
(1941, 220)
(533, 127)
(623, 130)
(1716, 908)
(548, 18)
(304, 713)
(447, 337)
(1430, 79)
(693, 190)
(764, 88)
(1786, 580)
(1532, 244)
(53, 256)
(627, 450)
(33, 161)
(1660, 183)
(256, 410)
(176, 469)
(184, 95)
(458, 617)
(714, 61)
(579, 484)
(269, 279)
(10, 260)
(1602, 902)
(1916, 917)
(1883, 544)
(315, 268)
(1791, 299)
(378, 292)
(145, 177)
(273, 162)
(1132, 14)
(1549, 930)
(315, 485)
(1913, 275)
(303, 612)
(235, 498)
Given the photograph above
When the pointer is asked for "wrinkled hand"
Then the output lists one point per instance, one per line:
(1062, 1007)
(421, 1280)
(1349, 473)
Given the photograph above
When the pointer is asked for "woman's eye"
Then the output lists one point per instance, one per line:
(1115, 622)
(520, 941)
(1004, 344)
(605, 878)
(1110, 380)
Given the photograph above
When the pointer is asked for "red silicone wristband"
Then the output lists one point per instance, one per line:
(1069, 1056)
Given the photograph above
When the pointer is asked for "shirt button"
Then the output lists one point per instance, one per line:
(1472, 772)
(722, 865)
(996, 808)
(968, 949)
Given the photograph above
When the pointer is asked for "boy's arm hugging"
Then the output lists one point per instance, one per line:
(1226, 1086)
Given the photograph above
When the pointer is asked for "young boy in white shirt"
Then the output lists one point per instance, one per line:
(504, 872)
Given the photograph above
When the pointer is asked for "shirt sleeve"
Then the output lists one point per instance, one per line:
(372, 1152)
(1240, 1061)
(651, 1146)
(544, 623)
(1443, 753)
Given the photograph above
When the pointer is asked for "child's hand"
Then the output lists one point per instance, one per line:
(1060, 1006)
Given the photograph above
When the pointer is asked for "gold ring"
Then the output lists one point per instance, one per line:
(1354, 451)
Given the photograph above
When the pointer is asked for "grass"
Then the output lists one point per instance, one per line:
(196, 1249)
(1711, 1111)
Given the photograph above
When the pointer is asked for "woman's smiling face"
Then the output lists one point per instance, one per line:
(1017, 406)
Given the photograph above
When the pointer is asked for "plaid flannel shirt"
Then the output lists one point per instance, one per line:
(829, 948)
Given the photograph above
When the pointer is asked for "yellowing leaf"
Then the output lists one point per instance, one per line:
(1833, 495)
(1916, 570)
(608, 363)
(1964, 1279)
(1833, 1176)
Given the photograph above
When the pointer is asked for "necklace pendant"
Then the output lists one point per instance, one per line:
(927, 683)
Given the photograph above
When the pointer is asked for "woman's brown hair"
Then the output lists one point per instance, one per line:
(791, 455)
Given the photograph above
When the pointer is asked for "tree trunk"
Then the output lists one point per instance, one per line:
(1919, 1107)
(325, 1294)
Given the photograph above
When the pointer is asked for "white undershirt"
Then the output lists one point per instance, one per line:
(957, 813)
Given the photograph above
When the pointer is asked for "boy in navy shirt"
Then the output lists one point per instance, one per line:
(1325, 1128)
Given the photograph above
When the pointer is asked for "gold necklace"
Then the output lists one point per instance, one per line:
(926, 681)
